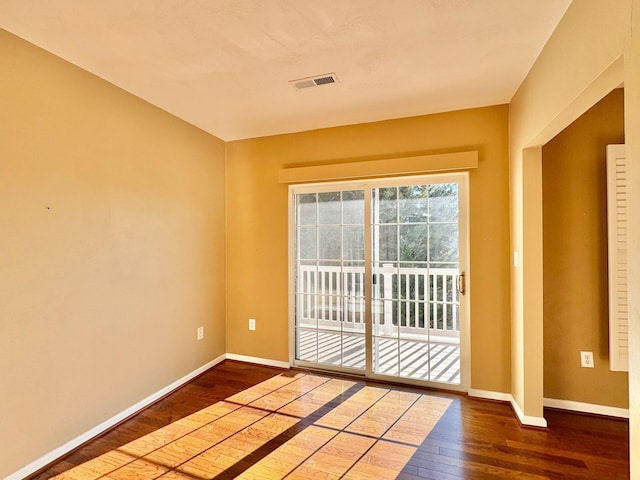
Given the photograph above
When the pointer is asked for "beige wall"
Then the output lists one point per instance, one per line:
(593, 50)
(111, 251)
(576, 315)
(257, 225)
(580, 64)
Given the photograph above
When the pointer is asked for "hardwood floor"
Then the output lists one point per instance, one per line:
(252, 422)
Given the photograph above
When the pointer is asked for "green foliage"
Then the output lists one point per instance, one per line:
(418, 223)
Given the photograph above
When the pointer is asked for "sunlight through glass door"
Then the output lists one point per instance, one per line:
(415, 302)
(377, 277)
(330, 284)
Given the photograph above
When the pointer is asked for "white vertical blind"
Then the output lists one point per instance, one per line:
(617, 222)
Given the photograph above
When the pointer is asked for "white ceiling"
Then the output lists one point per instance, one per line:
(224, 65)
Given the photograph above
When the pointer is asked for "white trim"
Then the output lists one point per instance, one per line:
(55, 454)
(489, 395)
(586, 408)
(260, 361)
(526, 419)
(618, 261)
(291, 271)
(464, 267)
(507, 397)
(551, 403)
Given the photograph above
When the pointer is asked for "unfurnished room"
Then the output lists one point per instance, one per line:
(356, 239)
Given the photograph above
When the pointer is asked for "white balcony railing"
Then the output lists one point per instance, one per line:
(411, 301)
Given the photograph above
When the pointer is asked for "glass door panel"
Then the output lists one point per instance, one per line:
(415, 251)
(330, 286)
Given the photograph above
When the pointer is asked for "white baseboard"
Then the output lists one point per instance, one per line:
(507, 397)
(586, 408)
(260, 361)
(489, 395)
(527, 419)
(551, 403)
(53, 455)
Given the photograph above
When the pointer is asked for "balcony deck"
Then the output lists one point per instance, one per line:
(436, 361)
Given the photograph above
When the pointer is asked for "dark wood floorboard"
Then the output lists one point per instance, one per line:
(474, 439)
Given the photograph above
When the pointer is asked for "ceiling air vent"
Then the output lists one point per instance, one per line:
(315, 81)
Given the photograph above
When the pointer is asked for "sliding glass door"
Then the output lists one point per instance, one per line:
(378, 276)
(415, 302)
(330, 270)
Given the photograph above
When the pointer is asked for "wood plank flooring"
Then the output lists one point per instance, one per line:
(251, 422)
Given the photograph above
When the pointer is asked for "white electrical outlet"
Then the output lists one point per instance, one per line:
(200, 333)
(586, 359)
(252, 324)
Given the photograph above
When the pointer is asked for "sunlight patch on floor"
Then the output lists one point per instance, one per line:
(295, 425)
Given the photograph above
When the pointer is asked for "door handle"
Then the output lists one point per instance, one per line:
(462, 285)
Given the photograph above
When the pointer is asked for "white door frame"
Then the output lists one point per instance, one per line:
(462, 178)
